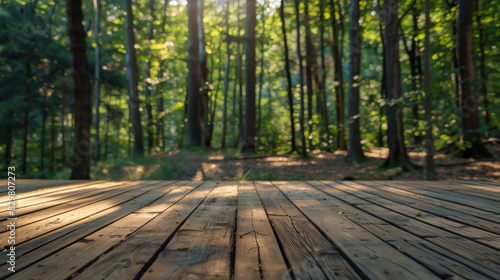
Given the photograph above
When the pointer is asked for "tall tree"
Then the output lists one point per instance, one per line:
(132, 79)
(482, 65)
(226, 78)
(397, 150)
(82, 104)
(430, 169)
(310, 68)
(355, 151)
(288, 75)
(301, 80)
(321, 100)
(468, 82)
(204, 100)
(149, 86)
(339, 80)
(97, 74)
(194, 84)
(250, 42)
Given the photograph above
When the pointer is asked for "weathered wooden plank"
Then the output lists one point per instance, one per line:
(257, 251)
(35, 204)
(375, 258)
(37, 249)
(45, 225)
(473, 233)
(207, 237)
(477, 189)
(481, 255)
(74, 257)
(45, 188)
(129, 258)
(309, 253)
(476, 202)
(434, 206)
(446, 264)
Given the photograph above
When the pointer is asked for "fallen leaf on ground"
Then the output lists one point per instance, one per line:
(182, 248)
(419, 214)
(401, 250)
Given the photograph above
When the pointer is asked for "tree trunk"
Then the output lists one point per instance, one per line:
(397, 150)
(204, 100)
(97, 74)
(288, 76)
(226, 79)
(42, 151)
(149, 86)
(9, 134)
(82, 105)
(194, 126)
(383, 88)
(160, 130)
(26, 114)
(261, 72)
(468, 82)
(322, 103)
(301, 81)
(62, 120)
(430, 169)
(339, 82)
(482, 68)
(132, 79)
(52, 142)
(239, 78)
(310, 65)
(355, 152)
(249, 132)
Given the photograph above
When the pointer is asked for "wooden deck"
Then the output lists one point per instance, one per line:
(253, 230)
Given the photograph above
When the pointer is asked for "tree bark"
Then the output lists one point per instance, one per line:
(321, 100)
(339, 81)
(482, 68)
(288, 76)
(42, 151)
(149, 86)
(249, 132)
(97, 74)
(132, 79)
(82, 105)
(63, 144)
(310, 65)
(226, 79)
(301, 81)
(52, 142)
(468, 82)
(397, 150)
(204, 100)
(194, 126)
(430, 169)
(355, 152)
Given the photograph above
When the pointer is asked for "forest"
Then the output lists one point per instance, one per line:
(138, 89)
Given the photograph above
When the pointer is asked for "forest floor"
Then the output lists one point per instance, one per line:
(230, 165)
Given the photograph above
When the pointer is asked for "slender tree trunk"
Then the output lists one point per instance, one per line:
(482, 67)
(204, 100)
(248, 144)
(383, 87)
(160, 130)
(226, 79)
(82, 105)
(288, 76)
(469, 101)
(239, 78)
(397, 150)
(430, 169)
(42, 151)
(149, 86)
(301, 81)
(97, 74)
(339, 81)
(355, 152)
(310, 65)
(194, 126)
(26, 114)
(52, 142)
(261, 73)
(9, 134)
(63, 139)
(322, 103)
(132, 79)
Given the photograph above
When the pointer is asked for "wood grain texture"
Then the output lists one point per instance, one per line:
(257, 250)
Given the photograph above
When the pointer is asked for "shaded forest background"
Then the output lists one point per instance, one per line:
(193, 89)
